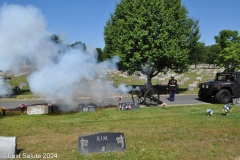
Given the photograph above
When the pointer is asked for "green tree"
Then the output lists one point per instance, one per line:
(197, 55)
(79, 44)
(229, 58)
(101, 56)
(56, 39)
(226, 38)
(150, 36)
(212, 52)
(230, 43)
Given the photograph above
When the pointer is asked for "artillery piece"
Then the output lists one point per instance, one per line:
(146, 95)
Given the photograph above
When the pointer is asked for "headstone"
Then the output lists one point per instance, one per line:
(161, 79)
(133, 105)
(87, 107)
(192, 85)
(164, 83)
(236, 101)
(190, 89)
(23, 84)
(186, 78)
(180, 83)
(198, 78)
(37, 109)
(134, 78)
(101, 142)
(8, 147)
(177, 77)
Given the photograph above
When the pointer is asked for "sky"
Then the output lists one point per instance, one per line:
(84, 20)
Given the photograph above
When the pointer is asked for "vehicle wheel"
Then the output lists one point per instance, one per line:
(203, 97)
(137, 96)
(223, 96)
(152, 97)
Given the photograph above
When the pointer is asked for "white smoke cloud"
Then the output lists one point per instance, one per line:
(60, 74)
(5, 88)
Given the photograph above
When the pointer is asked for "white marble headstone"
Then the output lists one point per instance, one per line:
(8, 147)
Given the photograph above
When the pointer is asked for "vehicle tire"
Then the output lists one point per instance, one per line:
(203, 97)
(223, 96)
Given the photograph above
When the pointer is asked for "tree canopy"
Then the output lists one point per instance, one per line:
(150, 36)
(229, 57)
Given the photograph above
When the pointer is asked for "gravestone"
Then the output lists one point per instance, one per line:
(134, 105)
(192, 85)
(198, 78)
(190, 89)
(101, 142)
(87, 107)
(23, 84)
(180, 83)
(164, 83)
(134, 78)
(161, 79)
(8, 147)
(37, 109)
(236, 101)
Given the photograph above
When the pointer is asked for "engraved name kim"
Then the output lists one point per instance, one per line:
(101, 142)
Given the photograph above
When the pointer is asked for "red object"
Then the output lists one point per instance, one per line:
(120, 98)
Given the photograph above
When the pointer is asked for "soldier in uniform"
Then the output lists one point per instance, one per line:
(172, 85)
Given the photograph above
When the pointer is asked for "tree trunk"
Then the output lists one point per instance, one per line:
(149, 81)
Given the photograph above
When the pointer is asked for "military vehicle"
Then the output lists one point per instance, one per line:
(224, 87)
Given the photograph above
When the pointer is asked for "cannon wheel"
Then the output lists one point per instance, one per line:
(152, 97)
(137, 96)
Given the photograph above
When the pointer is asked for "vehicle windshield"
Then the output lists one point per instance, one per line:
(225, 77)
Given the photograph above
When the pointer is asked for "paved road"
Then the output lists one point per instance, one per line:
(112, 101)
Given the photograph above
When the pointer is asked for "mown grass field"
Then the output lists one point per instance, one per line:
(177, 132)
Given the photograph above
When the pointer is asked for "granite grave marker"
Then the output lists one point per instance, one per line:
(101, 142)
(87, 107)
(134, 105)
(236, 101)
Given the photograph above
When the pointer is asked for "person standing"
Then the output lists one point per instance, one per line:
(172, 85)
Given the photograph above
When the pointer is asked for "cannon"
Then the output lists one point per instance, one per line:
(148, 96)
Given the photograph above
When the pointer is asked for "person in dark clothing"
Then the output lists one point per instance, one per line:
(172, 85)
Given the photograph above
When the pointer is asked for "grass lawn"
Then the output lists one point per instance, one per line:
(176, 132)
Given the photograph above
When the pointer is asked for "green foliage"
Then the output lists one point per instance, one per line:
(101, 56)
(230, 43)
(149, 36)
(230, 58)
(198, 54)
(79, 44)
(212, 52)
(56, 39)
(226, 38)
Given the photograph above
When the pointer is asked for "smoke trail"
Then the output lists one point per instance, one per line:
(61, 73)
(5, 89)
